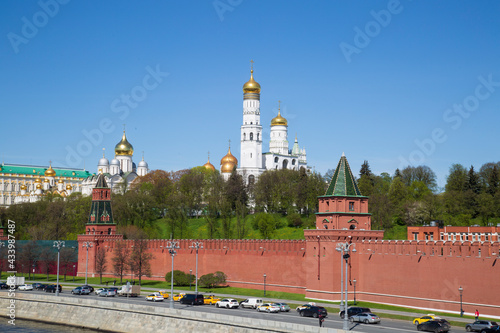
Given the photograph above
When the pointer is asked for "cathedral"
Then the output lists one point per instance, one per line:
(252, 161)
(120, 172)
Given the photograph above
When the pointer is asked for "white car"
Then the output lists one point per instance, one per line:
(155, 297)
(268, 307)
(26, 287)
(227, 303)
(98, 290)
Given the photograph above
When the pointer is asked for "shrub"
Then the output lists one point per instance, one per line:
(180, 278)
(213, 280)
(294, 220)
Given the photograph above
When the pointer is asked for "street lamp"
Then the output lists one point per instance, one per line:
(354, 284)
(190, 277)
(197, 246)
(345, 249)
(58, 245)
(460, 290)
(265, 284)
(172, 246)
(87, 245)
(74, 268)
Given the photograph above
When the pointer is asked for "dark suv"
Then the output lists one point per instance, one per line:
(193, 299)
(51, 288)
(313, 311)
(353, 310)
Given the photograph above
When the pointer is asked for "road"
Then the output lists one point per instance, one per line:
(332, 321)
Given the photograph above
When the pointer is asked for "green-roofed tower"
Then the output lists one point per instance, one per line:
(343, 206)
(101, 217)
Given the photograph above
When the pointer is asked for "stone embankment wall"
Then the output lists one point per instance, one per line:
(132, 317)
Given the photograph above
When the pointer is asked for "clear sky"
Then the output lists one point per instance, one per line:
(391, 82)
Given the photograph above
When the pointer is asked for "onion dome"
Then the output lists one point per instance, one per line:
(69, 187)
(228, 162)
(38, 186)
(279, 120)
(143, 164)
(38, 181)
(251, 86)
(61, 181)
(45, 180)
(50, 172)
(103, 161)
(124, 148)
(208, 165)
(114, 161)
(23, 187)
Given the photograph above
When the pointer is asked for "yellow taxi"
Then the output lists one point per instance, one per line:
(178, 297)
(211, 300)
(164, 294)
(425, 318)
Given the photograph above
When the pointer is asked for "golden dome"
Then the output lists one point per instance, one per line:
(124, 148)
(45, 180)
(50, 172)
(279, 120)
(38, 180)
(208, 165)
(60, 181)
(251, 86)
(38, 186)
(69, 187)
(23, 187)
(228, 162)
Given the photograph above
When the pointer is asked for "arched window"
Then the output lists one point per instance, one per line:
(352, 227)
(258, 136)
(244, 136)
(293, 162)
(285, 164)
(276, 159)
(251, 180)
(251, 136)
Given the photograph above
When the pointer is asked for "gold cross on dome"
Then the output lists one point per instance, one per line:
(279, 105)
(251, 64)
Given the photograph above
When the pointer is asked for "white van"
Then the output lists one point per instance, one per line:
(252, 303)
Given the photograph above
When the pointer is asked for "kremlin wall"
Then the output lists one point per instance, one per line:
(414, 273)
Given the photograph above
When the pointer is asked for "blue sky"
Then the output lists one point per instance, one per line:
(391, 82)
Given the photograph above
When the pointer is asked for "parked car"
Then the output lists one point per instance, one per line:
(155, 297)
(211, 300)
(305, 306)
(252, 303)
(283, 307)
(314, 311)
(365, 317)
(82, 290)
(354, 310)
(425, 318)
(4, 285)
(38, 286)
(493, 329)
(478, 325)
(268, 307)
(107, 292)
(434, 326)
(26, 287)
(51, 288)
(228, 303)
(193, 299)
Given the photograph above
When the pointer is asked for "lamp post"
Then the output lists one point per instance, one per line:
(354, 284)
(265, 284)
(74, 273)
(460, 290)
(172, 246)
(196, 246)
(87, 245)
(58, 245)
(190, 275)
(345, 249)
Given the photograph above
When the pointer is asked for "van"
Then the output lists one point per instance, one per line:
(252, 303)
(193, 299)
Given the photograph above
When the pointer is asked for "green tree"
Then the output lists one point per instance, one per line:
(120, 260)
(100, 263)
(266, 224)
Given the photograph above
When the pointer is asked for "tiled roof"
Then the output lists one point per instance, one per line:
(343, 182)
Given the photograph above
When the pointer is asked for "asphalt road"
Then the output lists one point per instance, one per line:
(332, 321)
